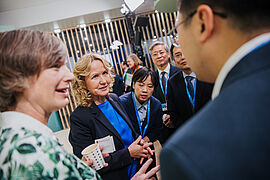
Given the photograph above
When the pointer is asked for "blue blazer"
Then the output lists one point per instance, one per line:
(88, 124)
(155, 120)
(230, 137)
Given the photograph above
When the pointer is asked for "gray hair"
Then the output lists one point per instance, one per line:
(158, 43)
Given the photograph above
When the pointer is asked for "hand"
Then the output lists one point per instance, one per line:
(167, 121)
(141, 175)
(146, 145)
(90, 162)
(138, 149)
(146, 139)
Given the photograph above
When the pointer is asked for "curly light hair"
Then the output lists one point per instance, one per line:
(24, 54)
(81, 70)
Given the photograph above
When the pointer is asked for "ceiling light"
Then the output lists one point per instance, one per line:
(133, 4)
(107, 20)
(57, 31)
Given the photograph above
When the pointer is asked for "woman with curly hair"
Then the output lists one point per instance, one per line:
(101, 114)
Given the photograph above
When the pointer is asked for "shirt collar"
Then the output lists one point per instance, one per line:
(17, 120)
(235, 58)
(191, 74)
(138, 104)
(167, 69)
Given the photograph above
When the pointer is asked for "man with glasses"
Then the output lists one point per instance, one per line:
(160, 56)
(226, 42)
(186, 94)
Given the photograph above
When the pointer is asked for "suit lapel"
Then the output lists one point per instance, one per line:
(120, 111)
(99, 116)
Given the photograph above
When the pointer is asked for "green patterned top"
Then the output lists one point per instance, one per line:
(29, 150)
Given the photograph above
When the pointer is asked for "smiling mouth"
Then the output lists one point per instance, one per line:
(63, 91)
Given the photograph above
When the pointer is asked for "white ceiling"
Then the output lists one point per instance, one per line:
(47, 15)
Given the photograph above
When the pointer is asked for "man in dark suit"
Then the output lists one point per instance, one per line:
(186, 94)
(226, 42)
(160, 55)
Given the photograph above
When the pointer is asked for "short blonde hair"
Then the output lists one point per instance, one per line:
(81, 70)
(135, 58)
(24, 54)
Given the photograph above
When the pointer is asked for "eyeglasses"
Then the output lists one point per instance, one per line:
(161, 53)
(220, 14)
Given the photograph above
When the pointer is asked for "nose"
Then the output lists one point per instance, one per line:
(102, 80)
(68, 75)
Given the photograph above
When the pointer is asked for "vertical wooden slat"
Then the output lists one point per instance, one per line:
(125, 25)
(74, 44)
(100, 37)
(118, 37)
(155, 26)
(78, 41)
(92, 41)
(105, 38)
(110, 42)
(95, 33)
(124, 39)
(164, 27)
(147, 48)
(159, 27)
(61, 118)
(83, 42)
(113, 39)
(168, 25)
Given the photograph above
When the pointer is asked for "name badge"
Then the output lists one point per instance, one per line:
(164, 107)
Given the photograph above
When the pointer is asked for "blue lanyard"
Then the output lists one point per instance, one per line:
(188, 93)
(164, 90)
(138, 117)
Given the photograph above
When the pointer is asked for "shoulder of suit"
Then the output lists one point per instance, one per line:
(177, 75)
(154, 100)
(125, 97)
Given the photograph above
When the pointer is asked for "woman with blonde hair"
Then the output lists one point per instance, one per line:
(101, 114)
(134, 63)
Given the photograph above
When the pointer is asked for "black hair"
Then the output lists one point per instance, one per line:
(171, 49)
(246, 15)
(142, 74)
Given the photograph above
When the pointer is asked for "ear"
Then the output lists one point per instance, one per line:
(206, 19)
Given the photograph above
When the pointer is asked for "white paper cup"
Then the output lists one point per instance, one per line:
(93, 152)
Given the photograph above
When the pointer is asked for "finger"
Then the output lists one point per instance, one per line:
(152, 172)
(106, 165)
(141, 160)
(145, 166)
(138, 139)
(150, 151)
(105, 155)
(101, 148)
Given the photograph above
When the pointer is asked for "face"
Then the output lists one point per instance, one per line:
(98, 81)
(160, 56)
(143, 90)
(190, 47)
(48, 92)
(130, 62)
(180, 59)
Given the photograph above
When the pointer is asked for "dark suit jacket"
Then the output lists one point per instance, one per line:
(118, 85)
(155, 121)
(88, 124)
(158, 91)
(229, 137)
(179, 105)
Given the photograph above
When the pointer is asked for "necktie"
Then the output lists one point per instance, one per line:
(142, 113)
(190, 85)
(163, 79)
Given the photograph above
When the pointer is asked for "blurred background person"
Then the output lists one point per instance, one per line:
(186, 94)
(134, 63)
(34, 82)
(101, 114)
(118, 87)
(124, 67)
(160, 55)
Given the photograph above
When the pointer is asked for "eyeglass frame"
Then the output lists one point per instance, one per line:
(220, 14)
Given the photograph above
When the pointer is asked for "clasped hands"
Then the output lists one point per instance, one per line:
(140, 149)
